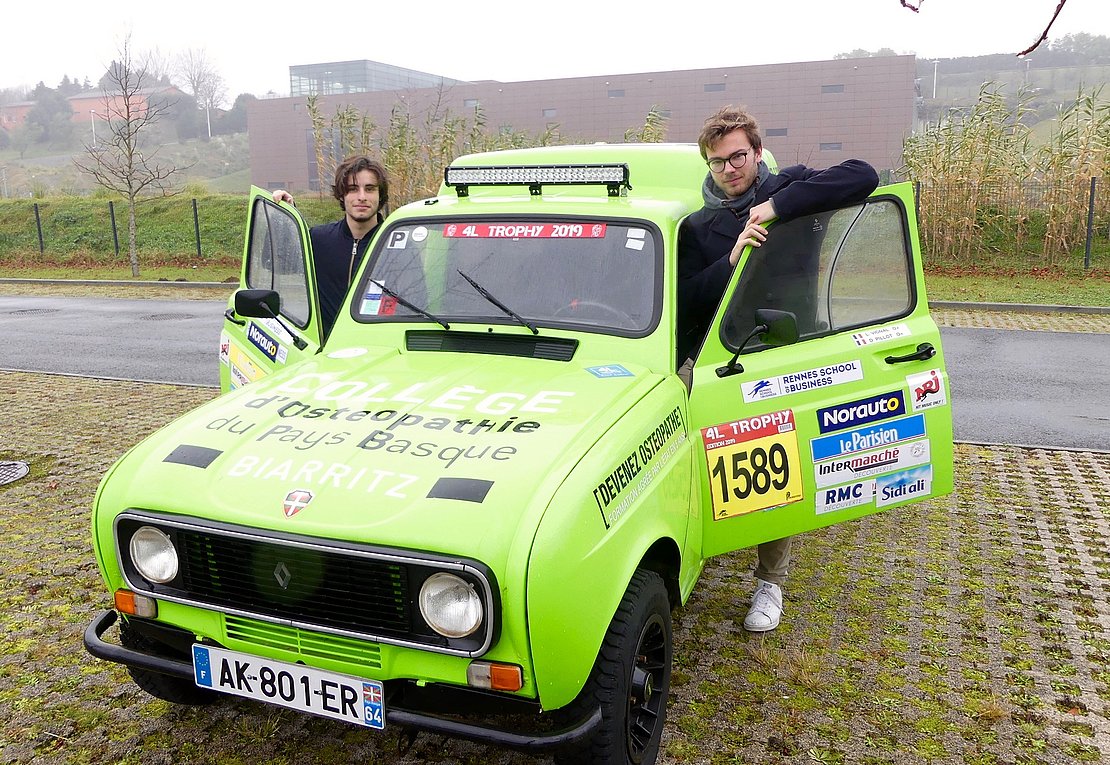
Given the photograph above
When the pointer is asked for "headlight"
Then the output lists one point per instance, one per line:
(450, 606)
(153, 554)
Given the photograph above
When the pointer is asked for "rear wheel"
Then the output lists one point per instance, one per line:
(177, 690)
(630, 679)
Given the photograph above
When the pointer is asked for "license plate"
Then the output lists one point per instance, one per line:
(328, 694)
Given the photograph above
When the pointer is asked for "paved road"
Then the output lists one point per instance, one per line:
(1016, 387)
(157, 340)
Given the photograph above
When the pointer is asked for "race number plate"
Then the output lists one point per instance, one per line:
(753, 464)
(293, 686)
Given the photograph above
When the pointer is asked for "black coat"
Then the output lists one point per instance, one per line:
(707, 236)
(336, 257)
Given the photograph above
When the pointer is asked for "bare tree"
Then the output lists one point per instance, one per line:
(202, 81)
(131, 109)
(916, 8)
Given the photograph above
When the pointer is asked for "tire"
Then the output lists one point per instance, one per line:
(630, 680)
(176, 690)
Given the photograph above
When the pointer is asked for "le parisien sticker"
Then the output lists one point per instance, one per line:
(753, 463)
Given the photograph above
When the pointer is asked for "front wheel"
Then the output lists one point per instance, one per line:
(630, 679)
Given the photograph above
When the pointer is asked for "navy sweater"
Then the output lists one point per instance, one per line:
(336, 257)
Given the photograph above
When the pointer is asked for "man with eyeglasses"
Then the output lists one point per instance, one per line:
(741, 196)
(362, 189)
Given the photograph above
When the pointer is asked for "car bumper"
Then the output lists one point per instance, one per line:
(538, 742)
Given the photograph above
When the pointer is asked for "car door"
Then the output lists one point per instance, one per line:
(842, 408)
(277, 256)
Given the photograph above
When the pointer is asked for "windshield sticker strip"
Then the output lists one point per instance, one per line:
(525, 231)
(193, 456)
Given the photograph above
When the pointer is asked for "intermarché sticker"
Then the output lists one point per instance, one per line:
(753, 464)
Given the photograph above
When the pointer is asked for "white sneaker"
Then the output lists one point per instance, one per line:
(766, 610)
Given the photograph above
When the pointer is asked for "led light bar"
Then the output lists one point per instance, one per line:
(535, 177)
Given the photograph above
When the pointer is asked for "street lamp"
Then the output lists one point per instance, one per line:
(92, 122)
(1028, 61)
(935, 62)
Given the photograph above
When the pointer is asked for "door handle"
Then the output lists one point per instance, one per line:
(924, 352)
(229, 314)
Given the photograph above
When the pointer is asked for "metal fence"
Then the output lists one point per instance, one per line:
(1053, 222)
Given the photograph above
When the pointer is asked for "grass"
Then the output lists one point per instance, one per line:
(1048, 287)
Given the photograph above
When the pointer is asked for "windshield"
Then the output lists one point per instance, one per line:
(549, 272)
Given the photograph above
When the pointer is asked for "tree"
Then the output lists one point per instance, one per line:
(52, 114)
(861, 53)
(124, 162)
(916, 8)
(202, 81)
(235, 119)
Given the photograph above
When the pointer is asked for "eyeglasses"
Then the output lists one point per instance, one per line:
(736, 159)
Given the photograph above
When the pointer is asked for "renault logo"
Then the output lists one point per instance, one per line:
(283, 575)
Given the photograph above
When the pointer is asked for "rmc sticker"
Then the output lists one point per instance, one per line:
(753, 463)
(927, 390)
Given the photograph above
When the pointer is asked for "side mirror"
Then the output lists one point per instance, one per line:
(257, 304)
(773, 328)
(782, 326)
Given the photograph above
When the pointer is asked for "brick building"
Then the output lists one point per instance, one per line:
(816, 112)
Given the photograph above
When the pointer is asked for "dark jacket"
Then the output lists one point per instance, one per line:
(336, 257)
(707, 236)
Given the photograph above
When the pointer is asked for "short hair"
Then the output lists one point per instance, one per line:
(726, 120)
(351, 167)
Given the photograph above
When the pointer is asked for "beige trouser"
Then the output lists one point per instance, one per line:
(774, 559)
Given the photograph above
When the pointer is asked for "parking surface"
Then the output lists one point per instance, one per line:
(972, 629)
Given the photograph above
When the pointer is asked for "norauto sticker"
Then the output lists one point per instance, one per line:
(893, 332)
(907, 485)
(927, 390)
(753, 463)
(866, 439)
(810, 379)
(268, 345)
(525, 231)
(851, 414)
(886, 460)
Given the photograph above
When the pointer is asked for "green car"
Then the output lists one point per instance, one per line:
(473, 508)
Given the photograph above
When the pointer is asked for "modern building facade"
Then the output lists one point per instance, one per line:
(817, 112)
(340, 77)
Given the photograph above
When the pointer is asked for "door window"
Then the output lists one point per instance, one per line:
(834, 271)
(276, 260)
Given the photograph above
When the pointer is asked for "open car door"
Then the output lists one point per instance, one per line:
(274, 318)
(839, 407)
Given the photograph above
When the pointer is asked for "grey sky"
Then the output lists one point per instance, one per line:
(252, 45)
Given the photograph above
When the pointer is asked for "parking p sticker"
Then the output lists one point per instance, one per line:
(753, 464)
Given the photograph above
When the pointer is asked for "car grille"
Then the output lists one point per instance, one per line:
(311, 585)
(341, 588)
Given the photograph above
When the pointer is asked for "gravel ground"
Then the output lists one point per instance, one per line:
(971, 629)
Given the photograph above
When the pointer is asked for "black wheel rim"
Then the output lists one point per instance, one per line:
(647, 691)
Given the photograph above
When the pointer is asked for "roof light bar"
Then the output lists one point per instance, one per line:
(535, 177)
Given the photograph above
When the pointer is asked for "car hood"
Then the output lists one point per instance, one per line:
(446, 452)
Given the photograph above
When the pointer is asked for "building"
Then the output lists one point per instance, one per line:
(89, 106)
(341, 77)
(816, 112)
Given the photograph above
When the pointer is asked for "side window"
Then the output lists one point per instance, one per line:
(277, 260)
(834, 271)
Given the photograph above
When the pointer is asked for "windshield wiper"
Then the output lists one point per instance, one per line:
(409, 305)
(509, 311)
